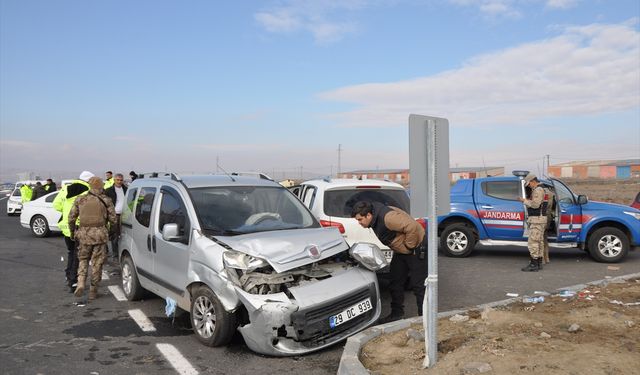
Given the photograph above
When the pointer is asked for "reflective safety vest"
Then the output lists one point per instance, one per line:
(108, 183)
(64, 201)
(26, 193)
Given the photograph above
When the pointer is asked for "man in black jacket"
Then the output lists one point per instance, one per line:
(117, 192)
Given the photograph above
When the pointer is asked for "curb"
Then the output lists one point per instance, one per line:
(350, 360)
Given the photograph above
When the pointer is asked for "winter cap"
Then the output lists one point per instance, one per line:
(529, 178)
(85, 176)
(95, 183)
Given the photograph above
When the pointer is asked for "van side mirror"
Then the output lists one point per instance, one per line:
(582, 199)
(171, 233)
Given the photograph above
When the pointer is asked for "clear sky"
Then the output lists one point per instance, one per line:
(276, 86)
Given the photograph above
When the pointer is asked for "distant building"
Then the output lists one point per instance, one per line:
(402, 177)
(605, 169)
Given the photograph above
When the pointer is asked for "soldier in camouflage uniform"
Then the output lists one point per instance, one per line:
(537, 222)
(96, 213)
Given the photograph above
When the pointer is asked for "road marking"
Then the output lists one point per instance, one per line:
(176, 359)
(105, 275)
(142, 320)
(117, 292)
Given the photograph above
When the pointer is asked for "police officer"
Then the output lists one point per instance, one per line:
(406, 237)
(95, 211)
(25, 193)
(108, 180)
(536, 220)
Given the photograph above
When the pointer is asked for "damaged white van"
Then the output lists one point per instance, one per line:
(244, 253)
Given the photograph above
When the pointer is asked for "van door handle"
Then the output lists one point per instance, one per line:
(487, 207)
(153, 244)
(149, 242)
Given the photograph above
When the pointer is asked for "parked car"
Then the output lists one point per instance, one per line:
(14, 202)
(331, 201)
(40, 216)
(636, 202)
(243, 253)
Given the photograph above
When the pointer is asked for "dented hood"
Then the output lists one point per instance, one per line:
(288, 249)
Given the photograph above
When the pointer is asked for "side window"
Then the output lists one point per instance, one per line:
(131, 198)
(563, 194)
(172, 211)
(50, 198)
(144, 206)
(309, 196)
(16, 193)
(509, 190)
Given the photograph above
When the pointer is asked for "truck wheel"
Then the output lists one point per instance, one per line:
(608, 245)
(457, 240)
(212, 324)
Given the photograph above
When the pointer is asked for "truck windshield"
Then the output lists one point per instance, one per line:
(232, 210)
(340, 202)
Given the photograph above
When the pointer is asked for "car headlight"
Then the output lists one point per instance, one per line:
(369, 255)
(242, 261)
(634, 214)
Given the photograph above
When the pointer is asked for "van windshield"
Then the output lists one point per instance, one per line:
(232, 210)
(339, 202)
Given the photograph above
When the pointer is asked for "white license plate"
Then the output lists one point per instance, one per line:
(388, 255)
(350, 313)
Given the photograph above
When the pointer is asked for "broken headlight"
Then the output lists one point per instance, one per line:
(369, 255)
(242, 261)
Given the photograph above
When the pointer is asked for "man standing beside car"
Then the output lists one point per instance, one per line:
(50, 186)
(96, 213)
(406, 237)
(536, 221)
(117, 193)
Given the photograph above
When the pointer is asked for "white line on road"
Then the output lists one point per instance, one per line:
(142, 320)
(117, 292)
(176, 359)
(105, 275)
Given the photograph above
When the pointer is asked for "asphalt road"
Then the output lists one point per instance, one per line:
(43, 330)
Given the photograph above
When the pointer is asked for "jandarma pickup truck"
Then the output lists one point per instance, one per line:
(487, 211)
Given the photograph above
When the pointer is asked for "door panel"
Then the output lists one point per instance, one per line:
(141, 225)
(570, 219)
(499, 209)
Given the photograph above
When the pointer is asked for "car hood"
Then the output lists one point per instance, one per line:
(602, 206)
(288, 249)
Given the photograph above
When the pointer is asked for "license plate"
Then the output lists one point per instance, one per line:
(350, 313)
(388, 255)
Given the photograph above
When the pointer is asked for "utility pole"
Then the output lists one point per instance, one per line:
(339, 157)
(547, 170)
(217, 164)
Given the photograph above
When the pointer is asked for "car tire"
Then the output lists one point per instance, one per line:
(457, 240)
(608, 245)
(39, 226)
(211, 323)
(130, 283)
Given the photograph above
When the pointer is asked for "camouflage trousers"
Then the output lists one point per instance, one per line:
(97, 254)
(536, 242)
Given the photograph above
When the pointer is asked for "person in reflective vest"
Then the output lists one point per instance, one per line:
(25, 193)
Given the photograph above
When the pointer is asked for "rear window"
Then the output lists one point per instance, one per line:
(340, 202)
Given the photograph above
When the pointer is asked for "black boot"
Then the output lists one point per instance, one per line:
(393, 316)
(539, 261)
(532, 266)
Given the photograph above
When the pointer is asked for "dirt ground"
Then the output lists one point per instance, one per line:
(614, 191)
(527, 338)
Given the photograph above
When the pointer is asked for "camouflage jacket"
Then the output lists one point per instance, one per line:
(92, 235)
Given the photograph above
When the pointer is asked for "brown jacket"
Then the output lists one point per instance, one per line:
(396, 229)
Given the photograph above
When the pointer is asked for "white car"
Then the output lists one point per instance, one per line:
(40, 216)
(14, 202)
(331, 201)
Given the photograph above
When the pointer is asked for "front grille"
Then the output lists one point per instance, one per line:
(312, 325)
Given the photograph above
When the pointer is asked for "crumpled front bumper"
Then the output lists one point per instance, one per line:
(281, 326)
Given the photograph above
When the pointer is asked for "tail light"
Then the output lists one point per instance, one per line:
(422, 221)
(329, 223)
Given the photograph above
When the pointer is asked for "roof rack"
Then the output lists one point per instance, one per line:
(173, 176)
(253, 174)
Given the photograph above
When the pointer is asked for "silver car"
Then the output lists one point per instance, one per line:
(244, 253)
